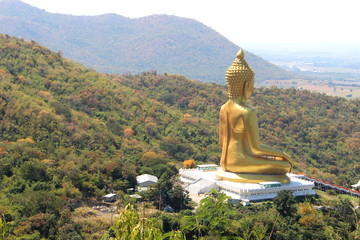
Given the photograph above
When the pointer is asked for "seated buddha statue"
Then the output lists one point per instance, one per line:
(243, 157)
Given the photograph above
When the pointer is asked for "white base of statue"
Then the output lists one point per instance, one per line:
(199, 182)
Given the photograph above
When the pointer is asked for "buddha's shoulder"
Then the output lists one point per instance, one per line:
(247, 110)
(231, 106)
(250, 109)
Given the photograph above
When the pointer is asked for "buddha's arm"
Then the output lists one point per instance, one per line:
(223, 126)
(256, 147)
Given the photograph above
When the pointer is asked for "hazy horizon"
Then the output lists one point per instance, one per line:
(248, 24)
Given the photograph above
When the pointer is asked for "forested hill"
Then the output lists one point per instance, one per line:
(115, 44)
(69, 133)
(66, 118)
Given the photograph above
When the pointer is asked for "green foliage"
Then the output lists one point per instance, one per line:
(69, 231)
(166, 192)
(130, 226)
(212, 218)
(314, 131)
(174, 235)
(34, 172)
(32, 202)
(285, 203)
(170, 221)
(4, 229)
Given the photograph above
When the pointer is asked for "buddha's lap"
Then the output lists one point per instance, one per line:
(257, 165)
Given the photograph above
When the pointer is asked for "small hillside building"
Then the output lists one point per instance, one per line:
(357, 185)
(146, 180)
(112, 197)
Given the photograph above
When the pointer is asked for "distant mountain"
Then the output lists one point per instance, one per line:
(115, 44)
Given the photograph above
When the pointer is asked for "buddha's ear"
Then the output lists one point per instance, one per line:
(248, 88)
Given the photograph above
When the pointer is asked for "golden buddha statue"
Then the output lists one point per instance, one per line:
(243, 158)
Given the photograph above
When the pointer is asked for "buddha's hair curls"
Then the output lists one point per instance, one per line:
(237, 75)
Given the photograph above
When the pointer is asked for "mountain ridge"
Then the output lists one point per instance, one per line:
(116, 44)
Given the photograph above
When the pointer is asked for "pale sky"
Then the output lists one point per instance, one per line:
(241, 21)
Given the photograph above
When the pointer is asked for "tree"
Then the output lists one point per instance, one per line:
(344, 211)
(166, 192)
(309, 216)
(34, 171)
(70, 231)
(179, 198)
(212, 218)
(4, 229)
(159, 194)
(130, 226)
(285, 203)
(190, 163)
(128, 132)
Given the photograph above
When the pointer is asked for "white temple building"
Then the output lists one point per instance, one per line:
(356, 185)
(202, 179)
(145, 180)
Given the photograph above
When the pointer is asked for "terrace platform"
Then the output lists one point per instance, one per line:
(201, 180)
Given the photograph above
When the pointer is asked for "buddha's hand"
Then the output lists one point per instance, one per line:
(287, 157)
(283, 157)
(277, 158)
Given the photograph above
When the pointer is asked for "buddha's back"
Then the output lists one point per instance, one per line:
(239, 139)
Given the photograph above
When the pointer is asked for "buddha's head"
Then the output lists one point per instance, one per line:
(240, 78)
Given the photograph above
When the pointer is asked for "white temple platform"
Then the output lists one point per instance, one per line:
(202, 179)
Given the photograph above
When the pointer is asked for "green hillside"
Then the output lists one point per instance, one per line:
(115, 44)
(70, 134)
